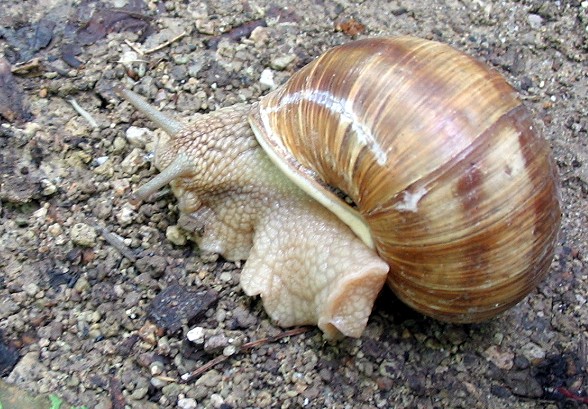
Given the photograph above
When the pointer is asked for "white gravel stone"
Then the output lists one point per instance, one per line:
(138, 136)
(83, 235)
(186, 403)
(176, 235)
(533, 352)
(267, 79)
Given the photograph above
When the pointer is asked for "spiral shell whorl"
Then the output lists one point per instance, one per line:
(442, 161)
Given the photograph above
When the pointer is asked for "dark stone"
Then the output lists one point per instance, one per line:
(521, 362)
(153, 265)
(416, 383)
(521, 383)
(500, 391)
(8, 358)
(559, 375)
(58, 278)
(126, 346)
(373, 348)
(176, 305)
(102, 293)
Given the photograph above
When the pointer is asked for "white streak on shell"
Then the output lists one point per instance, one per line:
(345, 111)
(411, 200)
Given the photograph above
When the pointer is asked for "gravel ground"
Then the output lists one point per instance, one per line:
(87, 276)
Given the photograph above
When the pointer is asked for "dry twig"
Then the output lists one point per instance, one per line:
(141, 51)
(117, 243)
(248, 346)
(26, 67)
(166, 43)
(84, 114)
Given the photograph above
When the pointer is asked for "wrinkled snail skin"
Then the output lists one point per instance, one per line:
(456, 198)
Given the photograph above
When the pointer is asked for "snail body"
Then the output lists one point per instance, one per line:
(455, 197)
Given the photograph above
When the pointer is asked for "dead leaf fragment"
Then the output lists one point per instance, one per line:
(350, 27)
(177, 305)
(11, 103)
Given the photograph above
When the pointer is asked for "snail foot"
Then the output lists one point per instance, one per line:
(309, 268)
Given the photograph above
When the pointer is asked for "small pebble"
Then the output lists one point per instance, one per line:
(119, 144)
(186, 403)
(94, 316)
(533, 352)
(259, 35)
(133, 161)
(153, 265)
(82, 285)
(264, 399)
(83, 235)
(176, 235)
(225, 277)
(138, 136)
(210, 379)
(243, 318)
(280, 63)
(502, 359)
(120, 186)
(101, 160)
(31, 289)
(221, 315)
(216, 342)
(216, 400)
(535, 21)
(148, 333)
(48, 187)
(158, 383)
(156, 368)
(125, 215)
(55, 229)
(229, 350)
(196, 335)
(139, 393)
(267, 79)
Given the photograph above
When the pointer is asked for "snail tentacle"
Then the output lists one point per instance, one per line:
(163, 121)
(180, 166)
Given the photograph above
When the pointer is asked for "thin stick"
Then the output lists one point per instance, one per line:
(137, 49)
(165, 44)
(246, 347)
(204, 368)
(165, 378)
(117, 243)
(85, 114)
(26, 66)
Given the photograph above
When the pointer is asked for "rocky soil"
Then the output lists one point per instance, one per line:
(98, 293)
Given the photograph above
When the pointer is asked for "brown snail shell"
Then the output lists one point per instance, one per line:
(442, 160)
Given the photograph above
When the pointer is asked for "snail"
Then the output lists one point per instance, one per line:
(386, 160)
